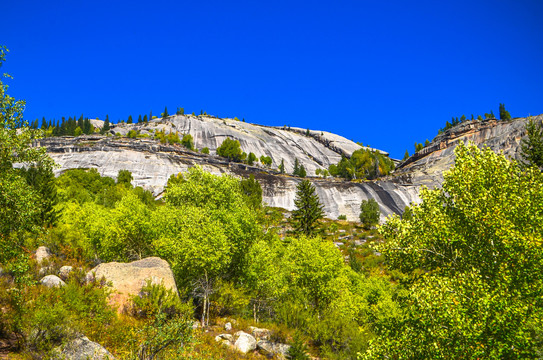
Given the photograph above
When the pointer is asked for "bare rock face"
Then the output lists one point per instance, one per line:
(52, 281)
(127, 279)
(152, 163)
(82, 349)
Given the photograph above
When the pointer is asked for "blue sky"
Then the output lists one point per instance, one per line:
(385, 73)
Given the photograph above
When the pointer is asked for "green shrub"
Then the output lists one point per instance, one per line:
(205, 150)
(342, 217)
(155, 298)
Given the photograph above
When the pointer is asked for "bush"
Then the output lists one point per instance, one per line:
(342, 217)
(188, 141)
(369, 213)
(230, 149)
(205, 150)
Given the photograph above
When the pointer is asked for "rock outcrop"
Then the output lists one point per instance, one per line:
(426, 167)
(127, 279)
(151, 163)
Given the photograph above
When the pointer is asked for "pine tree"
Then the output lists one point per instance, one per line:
(296, 167)
(282, 167)
(302, 172)
(308, 208)
(406, 155)
(43, 124)
(106, 126)
(532, 145)
(504, 114)
(492, 114)
(139, 119)
(129, 121)
(165, 114)
(145, 119)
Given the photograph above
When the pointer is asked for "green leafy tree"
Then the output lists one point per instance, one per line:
(205, 150)
(477, 241)
(308, 208)
(230, 149)
(282, 167)
(125, 177)
(253, 191)
(369, 213)
(532, 144)
(21, 206)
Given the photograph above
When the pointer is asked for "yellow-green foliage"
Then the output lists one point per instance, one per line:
(478, 241)
(363, 164)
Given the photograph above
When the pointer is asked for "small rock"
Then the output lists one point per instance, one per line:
(227, 337)
(260, 334)
(46, 270)
(341, 231)
(273, 349)
(52, 281)
(83, 349)
(359, 242)
(65, 271)
(42, 253)
(245, 342)
(228, 326)
(338, 244)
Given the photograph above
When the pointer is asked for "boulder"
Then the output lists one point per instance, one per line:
(42, 253)
(127, 279)
(52, 281)
(82, 349)
(228, 326)
(260, 334)
(65, 271)
(269, 348)
(245, 342)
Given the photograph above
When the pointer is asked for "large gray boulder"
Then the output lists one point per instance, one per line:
(260, 334)
(82, 349)
(52, 281)
(244, 342)
(127, 279)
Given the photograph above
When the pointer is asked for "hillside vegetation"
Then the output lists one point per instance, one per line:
(458, 276)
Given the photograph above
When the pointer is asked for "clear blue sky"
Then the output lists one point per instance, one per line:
(386, 73)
